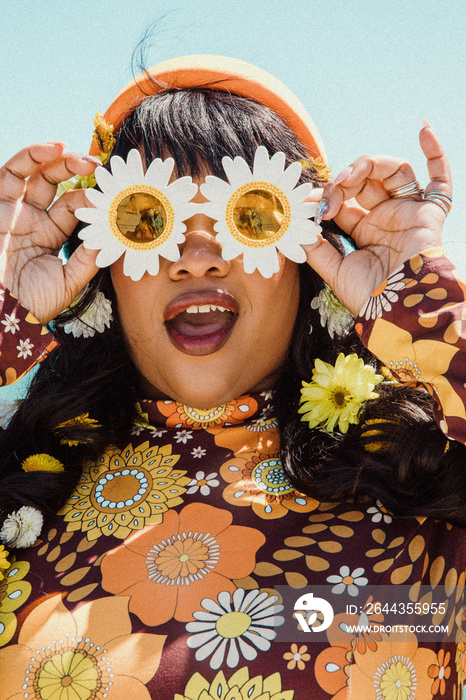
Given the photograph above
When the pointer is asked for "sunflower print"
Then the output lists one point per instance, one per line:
(125, 491)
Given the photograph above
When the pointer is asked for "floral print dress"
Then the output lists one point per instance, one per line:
(161, 577)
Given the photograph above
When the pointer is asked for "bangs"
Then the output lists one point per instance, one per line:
(198, 127)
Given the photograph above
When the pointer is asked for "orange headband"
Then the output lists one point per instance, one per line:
(220, 73)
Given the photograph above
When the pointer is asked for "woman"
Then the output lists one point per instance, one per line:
(168, 523)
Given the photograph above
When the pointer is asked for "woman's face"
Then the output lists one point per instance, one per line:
(202, 331)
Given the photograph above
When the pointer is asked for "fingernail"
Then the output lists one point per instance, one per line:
(343, 175)
(321, 210)
(92, 159)
(425, 124)
(56, 143)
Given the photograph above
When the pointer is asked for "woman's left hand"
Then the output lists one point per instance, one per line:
(387, 231)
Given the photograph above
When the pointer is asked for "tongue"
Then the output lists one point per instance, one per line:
(201, 323)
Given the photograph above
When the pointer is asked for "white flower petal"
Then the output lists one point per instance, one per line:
(212, 606)
(122, 174)
(237, 171)
(248, 651)
(231, 247)
(217, 659)
(275, 168)
(233, 656)
(299, 194)
(263, 633)
(134, 166)
(290, 177)
(159, 173)
(91, 216)
(199, 639)
(109, 254)
(291, 250)
(224, 599)
(183, 189)
(107, 183)
(265, 260)
(98, 199)
(261, 163)
(215, 189)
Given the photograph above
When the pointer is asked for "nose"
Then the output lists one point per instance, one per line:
(201, 254)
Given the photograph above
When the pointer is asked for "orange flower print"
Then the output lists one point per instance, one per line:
(425, 361)
(439, 672)
(168, 569)
(331, 670)
(396, 670)
(179, 415)
(124, 491)
(259, 436)
(261, 483)
(89, 653)
(297, 657)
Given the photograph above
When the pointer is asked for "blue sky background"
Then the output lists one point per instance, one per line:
(368, 71)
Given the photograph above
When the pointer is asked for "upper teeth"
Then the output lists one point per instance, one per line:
(204, 309)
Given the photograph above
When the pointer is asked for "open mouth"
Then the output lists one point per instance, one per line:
(200, 323)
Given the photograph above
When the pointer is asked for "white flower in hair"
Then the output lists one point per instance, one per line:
(22, 528)
(97, 317)
(7, 411)
(261, 212)
(138, 215)
(333, 314)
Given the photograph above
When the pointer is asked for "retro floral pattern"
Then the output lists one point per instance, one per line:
(396, 670)
(91, 653)
(14, 592)
(125, 491)
(384, 296)
(239, 686)
(234, 626)
(181, 416)
(181, 596)
(261, 484)
(167, 570)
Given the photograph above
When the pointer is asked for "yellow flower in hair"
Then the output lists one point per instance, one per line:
(322, 171)
(77, 182)
(82, 419)
(42, 463)
(4, 563)
(335, 395)
(103, 136)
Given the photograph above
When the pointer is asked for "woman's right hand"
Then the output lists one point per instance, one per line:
(32, 229)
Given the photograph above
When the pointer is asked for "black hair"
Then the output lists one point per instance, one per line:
(412, 472)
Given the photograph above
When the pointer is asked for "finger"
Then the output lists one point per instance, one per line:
(325, 259)
(79, 270)
(14, 173)
(437, 162)
(42, 185)
(61, 213)
(315, 195)
(369, 179)
(349, 216)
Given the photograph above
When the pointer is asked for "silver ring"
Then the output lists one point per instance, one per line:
(440, 200)
(442, 194)
(410, 190)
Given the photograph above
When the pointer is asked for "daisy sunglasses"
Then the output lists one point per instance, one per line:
(140, 214)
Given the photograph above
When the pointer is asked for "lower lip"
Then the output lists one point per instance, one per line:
(201, 344)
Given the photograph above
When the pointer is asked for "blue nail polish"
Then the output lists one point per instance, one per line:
(321, 210)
